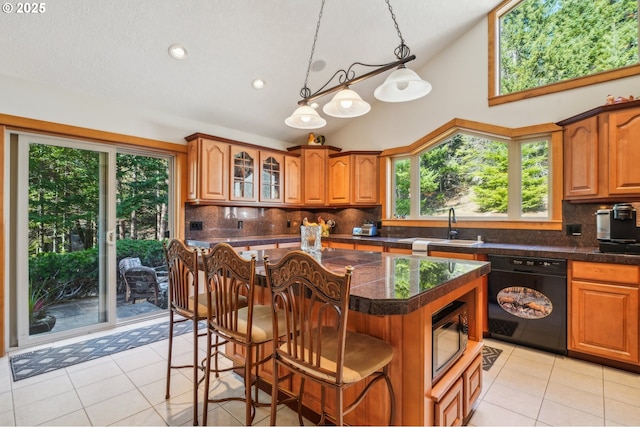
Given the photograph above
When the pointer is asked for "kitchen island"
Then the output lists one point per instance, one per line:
(393, 297)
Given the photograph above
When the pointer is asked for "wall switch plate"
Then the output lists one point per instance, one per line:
(195, 226)
(574, 230)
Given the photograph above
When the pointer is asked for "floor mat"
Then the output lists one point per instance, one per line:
(38, 362)
(489, 356)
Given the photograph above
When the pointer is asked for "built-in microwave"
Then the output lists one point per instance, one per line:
(450, 336)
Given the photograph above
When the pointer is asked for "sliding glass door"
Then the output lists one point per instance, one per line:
(84, 217)
(65, 242)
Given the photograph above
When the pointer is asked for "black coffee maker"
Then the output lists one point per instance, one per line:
(617, 231)
(623, 224)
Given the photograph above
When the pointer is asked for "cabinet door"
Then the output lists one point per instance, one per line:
(292, 173)
(208, 170)
(244, 169)
(315, 169)
(581, 159)
(271, 177)
(448, 411)
(472, 378)
(339, 184)
(604, 320)
(364, 169)
(624, 152)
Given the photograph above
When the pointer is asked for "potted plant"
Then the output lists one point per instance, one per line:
(39, 319)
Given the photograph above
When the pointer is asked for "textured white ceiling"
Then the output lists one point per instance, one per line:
(117, 50)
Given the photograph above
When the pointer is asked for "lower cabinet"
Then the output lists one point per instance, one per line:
(472, 381)
(603, 311)
(450, 409)
(455, 405)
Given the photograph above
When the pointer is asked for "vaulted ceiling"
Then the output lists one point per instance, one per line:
(118, 51)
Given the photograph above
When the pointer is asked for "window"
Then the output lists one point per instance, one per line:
(480, 177)
(546, 46)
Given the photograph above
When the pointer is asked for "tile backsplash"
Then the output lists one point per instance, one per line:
(220, 221)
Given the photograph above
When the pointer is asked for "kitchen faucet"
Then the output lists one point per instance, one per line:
(452, 234)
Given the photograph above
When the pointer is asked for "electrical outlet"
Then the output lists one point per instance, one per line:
(574, 230)
(195, 226)
(240, 225)
(288, 223)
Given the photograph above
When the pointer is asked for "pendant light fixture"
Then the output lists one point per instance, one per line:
(401, 85)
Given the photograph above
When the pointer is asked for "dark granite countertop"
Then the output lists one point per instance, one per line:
(565, 252)
(387, 283)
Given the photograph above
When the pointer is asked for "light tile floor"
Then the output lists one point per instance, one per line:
(524, 387)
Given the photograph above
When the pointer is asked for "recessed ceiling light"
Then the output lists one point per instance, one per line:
(177, 51)
(258, 83)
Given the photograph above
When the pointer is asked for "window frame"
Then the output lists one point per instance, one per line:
(495, 98)
(550, 131)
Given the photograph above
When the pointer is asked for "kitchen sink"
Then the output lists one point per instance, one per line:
(456, 242)
(437, 241)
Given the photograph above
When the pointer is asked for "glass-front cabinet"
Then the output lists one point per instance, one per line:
(243, 169)
(271, 177)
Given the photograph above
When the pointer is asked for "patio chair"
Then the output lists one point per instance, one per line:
(143, 284)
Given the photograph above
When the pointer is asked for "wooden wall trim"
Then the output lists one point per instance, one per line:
(69, 131)
(462, 125)
(2, 239)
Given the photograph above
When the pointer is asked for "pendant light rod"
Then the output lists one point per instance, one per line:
(346, 83)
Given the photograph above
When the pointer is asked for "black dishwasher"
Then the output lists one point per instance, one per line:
(528, 301)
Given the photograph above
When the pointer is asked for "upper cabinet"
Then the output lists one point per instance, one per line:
(314, 170)
(601, 149)
(272, 168)
(244, 180)
(292, 180)
(223, 171)
(624, 152)
(581, 159)
(353, 179)
(208, 172)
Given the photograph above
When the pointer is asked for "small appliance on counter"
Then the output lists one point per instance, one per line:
(617, 230)
(365, 230)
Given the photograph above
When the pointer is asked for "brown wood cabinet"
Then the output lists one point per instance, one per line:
(272, 175)
(314, 171)
(624, 152)
(244, 174)
(603, 308)
(292, 180)
(208, 172)
(339, 180)
(353, 179)
(449, 410)
(222, 170)
(581, 159)
(601, 153)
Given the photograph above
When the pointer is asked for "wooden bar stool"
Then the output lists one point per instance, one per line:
(187, 304)
(317, 346)
(233, 317)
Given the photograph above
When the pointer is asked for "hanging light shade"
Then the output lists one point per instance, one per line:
(345, 104)
(402, 85)
(305, 117)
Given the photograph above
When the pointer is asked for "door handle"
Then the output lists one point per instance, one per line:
(111, 237)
